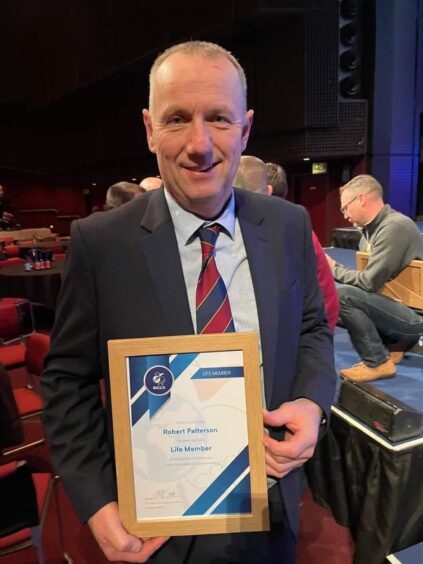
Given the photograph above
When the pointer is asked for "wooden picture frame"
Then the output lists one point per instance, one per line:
(189, 436)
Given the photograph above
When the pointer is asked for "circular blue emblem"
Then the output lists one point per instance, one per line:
(158, 380)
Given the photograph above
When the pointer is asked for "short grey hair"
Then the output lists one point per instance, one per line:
(251, 175)
(120, 193)
(362, 183)
(204, 49)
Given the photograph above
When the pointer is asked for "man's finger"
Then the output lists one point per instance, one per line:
(148, 548)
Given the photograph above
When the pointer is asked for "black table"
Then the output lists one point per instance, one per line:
(371, 486)
(345, 237)
(39, 286)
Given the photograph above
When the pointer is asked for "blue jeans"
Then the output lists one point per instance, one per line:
(373, 320)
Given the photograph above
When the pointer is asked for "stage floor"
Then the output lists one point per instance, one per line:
(407, 386)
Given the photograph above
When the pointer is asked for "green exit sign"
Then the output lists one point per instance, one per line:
(319, 168)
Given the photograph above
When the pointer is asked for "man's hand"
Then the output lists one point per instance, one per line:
(115, 542)
(301, 418)
(331, 262)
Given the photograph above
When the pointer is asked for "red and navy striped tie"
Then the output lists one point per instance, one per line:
(212, 303)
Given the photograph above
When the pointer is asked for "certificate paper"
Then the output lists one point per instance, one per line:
(190, 463)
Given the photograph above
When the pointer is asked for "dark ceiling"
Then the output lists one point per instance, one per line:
(75, 76)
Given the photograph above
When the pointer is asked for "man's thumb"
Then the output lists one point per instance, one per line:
(273, 418)
(134, 544)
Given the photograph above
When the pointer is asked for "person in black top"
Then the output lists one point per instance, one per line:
(7, 218)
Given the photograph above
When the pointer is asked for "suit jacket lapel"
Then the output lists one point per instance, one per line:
(160, 249)
(261, 261)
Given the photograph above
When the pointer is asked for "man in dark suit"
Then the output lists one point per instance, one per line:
(132, 273)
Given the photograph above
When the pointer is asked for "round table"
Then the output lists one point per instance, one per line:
(39, 286)
(43, 244)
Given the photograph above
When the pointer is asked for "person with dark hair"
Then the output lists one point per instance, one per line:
(278, 181)
(7, 218)
(150, 285)
(276, 177)
(374, 321)
(120, 193)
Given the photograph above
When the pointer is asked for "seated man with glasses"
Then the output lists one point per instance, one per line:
(374, 321)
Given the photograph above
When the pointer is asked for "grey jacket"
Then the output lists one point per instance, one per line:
(393, 240)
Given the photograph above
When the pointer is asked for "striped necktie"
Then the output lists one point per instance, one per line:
(212, 303)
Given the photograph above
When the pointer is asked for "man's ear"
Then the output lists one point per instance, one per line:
(149, 130)
(247, 128)
(269, 190)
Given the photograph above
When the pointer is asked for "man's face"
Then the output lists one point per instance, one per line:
(198, 127)
(351, 207)
(1, 191)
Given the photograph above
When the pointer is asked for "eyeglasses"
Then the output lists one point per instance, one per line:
(343, 210)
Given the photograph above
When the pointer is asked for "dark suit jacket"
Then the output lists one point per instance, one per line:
(123, 279)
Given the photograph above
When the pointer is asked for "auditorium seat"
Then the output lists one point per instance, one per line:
(26, 497)
(16, 322)
(12, 356)
(11, 251)
(28, 401)
(11, 261)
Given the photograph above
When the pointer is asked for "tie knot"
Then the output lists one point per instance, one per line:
(208, 235)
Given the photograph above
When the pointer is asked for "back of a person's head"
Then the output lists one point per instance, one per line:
(363, 183)
(252, 175)
(120, 193)
(150, 183)
(276, 177)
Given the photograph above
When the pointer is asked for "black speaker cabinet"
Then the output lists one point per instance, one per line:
(383, 413)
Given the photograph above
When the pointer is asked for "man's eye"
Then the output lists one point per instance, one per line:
(221, 119)
(175, 120)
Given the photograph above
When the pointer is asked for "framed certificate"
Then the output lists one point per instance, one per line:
(188, 432)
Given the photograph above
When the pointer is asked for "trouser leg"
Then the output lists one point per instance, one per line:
(371, 319)
(277, 545)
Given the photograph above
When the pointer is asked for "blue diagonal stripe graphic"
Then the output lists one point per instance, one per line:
(181, 362)
(220, 484)
(138, 365)
(139, 407)
(238, 500)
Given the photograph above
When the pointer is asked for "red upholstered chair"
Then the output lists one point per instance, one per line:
(7, 240)
(12, 356)
(11, 261)
(16, 318)
(11, 251)
(27, 400)
(25, 498)
(16, 322)
(59, 256)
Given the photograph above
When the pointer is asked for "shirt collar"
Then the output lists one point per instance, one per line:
(187, 224)
(370, 227)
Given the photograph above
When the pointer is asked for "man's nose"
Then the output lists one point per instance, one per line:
(199, 140)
